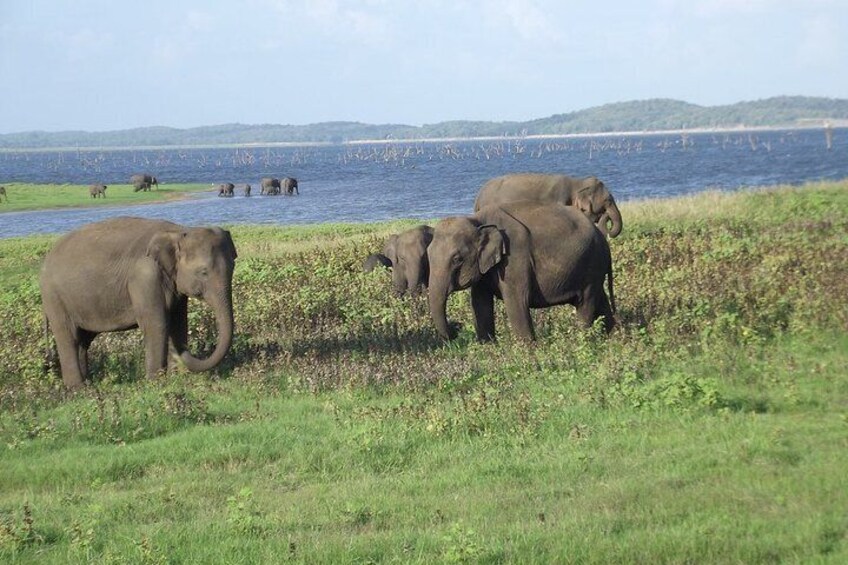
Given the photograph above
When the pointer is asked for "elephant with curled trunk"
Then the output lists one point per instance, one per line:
(589, 195)
(527, 254)
(127, 273)
(143, 182)
(407, 254)
(97, 190)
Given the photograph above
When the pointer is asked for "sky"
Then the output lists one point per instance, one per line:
(99, 65)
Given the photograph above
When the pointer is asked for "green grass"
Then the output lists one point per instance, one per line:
(711, 426)
(24, 196)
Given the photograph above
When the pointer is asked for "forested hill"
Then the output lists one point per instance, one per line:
(642, 115)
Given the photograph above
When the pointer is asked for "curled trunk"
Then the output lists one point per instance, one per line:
(612, 216)
(222, 304)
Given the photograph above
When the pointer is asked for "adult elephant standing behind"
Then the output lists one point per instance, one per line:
(143, 182)
(589, 195)
(127, 273)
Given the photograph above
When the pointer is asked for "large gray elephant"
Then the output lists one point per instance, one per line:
(289, 186)
(143, 182)
(124, 273)
(269, 186)
(97, 190)
(3, 193)
(407, 253)
(226, 189)
(530, 255)
(589, 195)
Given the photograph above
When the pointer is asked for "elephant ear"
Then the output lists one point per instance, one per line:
(491, 248)
(164, 248)
(390, 249)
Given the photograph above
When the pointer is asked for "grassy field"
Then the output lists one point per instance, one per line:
(711, 426)
(23, 196)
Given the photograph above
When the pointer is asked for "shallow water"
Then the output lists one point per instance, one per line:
(423, 180)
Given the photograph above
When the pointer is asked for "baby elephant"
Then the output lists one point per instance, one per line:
(97, 190)
(226, 189)
(126, 273)
(406, 252)
(529, 255)
(3, 193)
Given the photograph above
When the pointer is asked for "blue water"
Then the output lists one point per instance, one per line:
(422, 180)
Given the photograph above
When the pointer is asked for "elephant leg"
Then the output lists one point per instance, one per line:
(178, 327)
(69, 353)
(85, 339)
(593, 305)
(517, 303)
(152, 321)
(483, 306)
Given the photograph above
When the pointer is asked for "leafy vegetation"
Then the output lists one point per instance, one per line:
(26, 196)
(709, 427)
(642, 115)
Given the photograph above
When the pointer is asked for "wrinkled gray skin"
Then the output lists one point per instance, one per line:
(589, 195)
(527, 254)
(247, 190)
(226, 189)
(375, 260)
(97, 190)
(143, 182)
(289, 186)
(270, 186)
(3, 193)
(407, 253)
(124, 273)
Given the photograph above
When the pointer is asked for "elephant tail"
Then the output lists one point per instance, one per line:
(51, 356)
(609, 286)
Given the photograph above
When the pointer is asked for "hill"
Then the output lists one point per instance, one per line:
(641, 115)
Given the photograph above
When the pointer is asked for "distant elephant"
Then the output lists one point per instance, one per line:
(97, 190)
(247, 190)
(143, 182)
(226, 189)
(530, 255)
(289, 186)
(589, 195)
(407, 252)
(375, 260)
(270, 186)
(3, 193)
(124, 273)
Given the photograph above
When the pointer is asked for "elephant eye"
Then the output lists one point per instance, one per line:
(203, 272)
(456, 259)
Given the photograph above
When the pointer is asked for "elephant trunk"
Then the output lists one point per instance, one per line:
(438, 299)
(222, 303)
(614, 216)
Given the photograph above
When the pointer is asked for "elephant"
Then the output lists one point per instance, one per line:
(143, 182)
(126, 273)
(289, 186)
(97, 190)
(226, 189)
(407, 253)
(529, 255)
(589, 195)
(246, 189)
(375, 260)
(270, 186)
(3, 193)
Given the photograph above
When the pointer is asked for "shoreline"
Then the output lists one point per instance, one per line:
(837, 124)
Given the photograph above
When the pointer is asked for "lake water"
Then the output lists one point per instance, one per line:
(422, 180)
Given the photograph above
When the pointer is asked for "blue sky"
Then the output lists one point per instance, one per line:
(105, 64)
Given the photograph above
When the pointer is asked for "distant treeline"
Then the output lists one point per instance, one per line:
(643, 115)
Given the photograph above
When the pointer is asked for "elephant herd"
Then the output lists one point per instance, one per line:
(141, 183)
(269, 186)
(533, 241)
